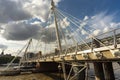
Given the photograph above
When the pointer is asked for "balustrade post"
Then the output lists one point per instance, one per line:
(92, 45)
(114, 37)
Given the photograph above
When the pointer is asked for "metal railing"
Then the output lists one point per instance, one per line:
(109, 38)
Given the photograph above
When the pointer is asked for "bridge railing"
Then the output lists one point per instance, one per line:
(106, 39)
(109, 38)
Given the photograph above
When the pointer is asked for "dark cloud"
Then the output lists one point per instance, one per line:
(48, 35)
(24, 30)
(20, 31)
(12, 11)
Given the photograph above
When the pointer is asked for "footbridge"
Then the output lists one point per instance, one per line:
(77, 47)
(108, 50)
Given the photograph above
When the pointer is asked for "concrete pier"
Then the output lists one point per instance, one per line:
(108, 70)
(98, 67)
(99, 73)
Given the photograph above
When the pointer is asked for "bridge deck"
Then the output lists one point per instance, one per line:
(110, 51)
(97, 54)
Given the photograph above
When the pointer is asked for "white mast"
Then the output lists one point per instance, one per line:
(56, 25)
(58, 38)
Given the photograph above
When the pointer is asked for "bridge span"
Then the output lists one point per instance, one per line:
(100, 55)
(100, 50)
(97, 52)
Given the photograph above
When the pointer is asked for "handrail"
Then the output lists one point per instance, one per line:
(89, 42)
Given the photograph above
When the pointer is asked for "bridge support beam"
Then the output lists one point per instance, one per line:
(76, 69)
(99, 73)
(98, 67)
(47, 66)
(108, 70)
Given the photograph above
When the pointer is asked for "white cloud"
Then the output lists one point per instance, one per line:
(64, 23)
(35, 23)
(95, 25)
(85, 18)
(83, 32)
(101, 23)
(39, 8)
(3, 46)
(96, 32)
(106, 29)
(14, 10)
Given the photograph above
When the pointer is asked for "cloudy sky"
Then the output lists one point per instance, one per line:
(21, 20)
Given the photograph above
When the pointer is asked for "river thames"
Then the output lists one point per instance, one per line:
(55, 76)
(31, 76)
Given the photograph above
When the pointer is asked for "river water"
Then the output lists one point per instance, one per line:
(55, 76)
(29, 76)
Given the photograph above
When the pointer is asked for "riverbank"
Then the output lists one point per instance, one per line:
(33, 76)
(56, 76)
